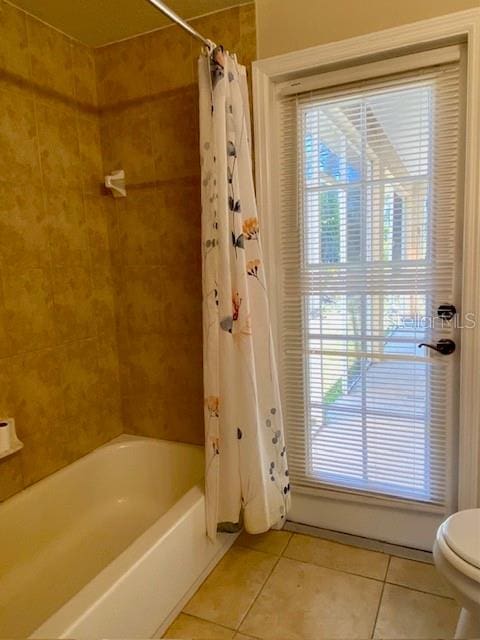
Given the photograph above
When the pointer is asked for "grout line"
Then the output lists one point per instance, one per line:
(235, 630)
(197, 617)
(370, 544)
(380, 600)
(427, 593)
(288, 543)
(362, 575)
(238, 543)
(383, 581)
(322, 566)
(259, 593)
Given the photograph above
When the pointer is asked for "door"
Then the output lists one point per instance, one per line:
(370, 301)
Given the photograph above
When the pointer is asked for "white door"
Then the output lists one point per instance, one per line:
(370, 272)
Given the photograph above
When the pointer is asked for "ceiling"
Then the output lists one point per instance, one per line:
(96, 22)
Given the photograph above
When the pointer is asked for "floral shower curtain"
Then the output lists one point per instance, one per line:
(246, 463)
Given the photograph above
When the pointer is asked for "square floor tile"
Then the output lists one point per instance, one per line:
(196, 629)
(270, 542)
(334, 555)
(417, 575)
(405, 613)
(231, 588)
(304, 602)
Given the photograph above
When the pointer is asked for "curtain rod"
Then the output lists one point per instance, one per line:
(181, 22)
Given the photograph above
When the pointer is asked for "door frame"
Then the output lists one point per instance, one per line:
(461, 27)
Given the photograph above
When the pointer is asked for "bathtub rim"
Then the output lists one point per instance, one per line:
(121, 441)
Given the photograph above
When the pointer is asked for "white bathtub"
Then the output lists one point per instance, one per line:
(109, 547)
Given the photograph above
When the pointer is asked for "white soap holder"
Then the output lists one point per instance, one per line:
(9, 442)
(116, 183)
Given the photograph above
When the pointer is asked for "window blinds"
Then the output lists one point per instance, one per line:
(367, 254)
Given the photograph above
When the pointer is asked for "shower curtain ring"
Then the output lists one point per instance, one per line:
(210, 46)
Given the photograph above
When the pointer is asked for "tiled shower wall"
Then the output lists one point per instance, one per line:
(100, 301)
(59, 374)
(149, 100)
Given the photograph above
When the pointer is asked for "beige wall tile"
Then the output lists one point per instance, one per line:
(24, 238)
(18, 138)
(411, 614)
(337, 556)
(180, 373)
(84, 432)
(175, 134)
(98, 211)
(154, 392)
(59, 148)
(304, 602)
(28, 309)
(231, 588)
(146, 415)
(142, 232)
(417, 575)
(143, 304)
(181, 222)
(274, 542)
(10, 371)
(80, 377)
(127, 144)
(108, 378)
(5, 344)
(182, 313)
(151, 416)
(84, 77)
(67, 227)
(11, 476)
(161, 225)
(90, 148)
(14, 56)
(190, 627)
(104, 304)
(73, 300)
(122, 71)
(169, 55)
(50, 58)
(49, 449)
(37, 389)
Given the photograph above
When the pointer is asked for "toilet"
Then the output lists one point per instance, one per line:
(457, 557)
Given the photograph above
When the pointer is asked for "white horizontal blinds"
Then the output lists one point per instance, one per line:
(368, 210)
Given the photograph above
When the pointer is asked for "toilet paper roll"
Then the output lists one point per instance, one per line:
(5, 435)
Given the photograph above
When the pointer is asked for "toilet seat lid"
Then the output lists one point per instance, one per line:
(462, 534)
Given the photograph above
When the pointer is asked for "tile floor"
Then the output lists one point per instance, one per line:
(286, 586)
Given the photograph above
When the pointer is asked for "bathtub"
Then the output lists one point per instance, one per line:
(111, 546)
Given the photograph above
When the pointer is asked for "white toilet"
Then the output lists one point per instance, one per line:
(457, 557)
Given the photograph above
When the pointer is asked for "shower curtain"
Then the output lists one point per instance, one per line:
(246, 462)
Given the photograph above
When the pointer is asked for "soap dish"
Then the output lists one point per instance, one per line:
(10, 438)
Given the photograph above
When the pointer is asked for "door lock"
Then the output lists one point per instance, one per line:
(446, 311)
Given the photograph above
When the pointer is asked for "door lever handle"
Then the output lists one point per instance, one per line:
(445, 346)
